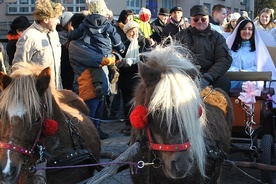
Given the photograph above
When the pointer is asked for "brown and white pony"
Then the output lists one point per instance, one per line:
(39, 123)
(183, 132)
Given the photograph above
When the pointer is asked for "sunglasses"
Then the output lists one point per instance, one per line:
(202, 19)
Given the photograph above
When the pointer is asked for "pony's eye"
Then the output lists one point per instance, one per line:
(36, 120)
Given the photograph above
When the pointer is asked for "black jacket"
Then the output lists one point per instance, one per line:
(209, 48)
(157, 29)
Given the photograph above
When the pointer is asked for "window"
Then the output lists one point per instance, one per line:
(243, 2)
(134, 5)
(21, 7)
(208, 6)
(168, 4)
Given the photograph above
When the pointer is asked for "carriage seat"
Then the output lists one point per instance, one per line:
(251, 76)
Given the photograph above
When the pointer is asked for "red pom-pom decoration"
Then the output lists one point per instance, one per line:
(138, 117)
(49, 127)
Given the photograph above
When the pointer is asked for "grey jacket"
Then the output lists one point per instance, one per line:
(42, 47)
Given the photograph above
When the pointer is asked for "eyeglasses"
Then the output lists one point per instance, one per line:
(202, 19)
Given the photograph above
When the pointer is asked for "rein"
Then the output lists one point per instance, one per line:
(167, 147)
(20, 149)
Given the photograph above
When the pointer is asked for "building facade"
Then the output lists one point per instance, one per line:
(9, 9)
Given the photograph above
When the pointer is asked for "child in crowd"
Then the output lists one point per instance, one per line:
(101, 37)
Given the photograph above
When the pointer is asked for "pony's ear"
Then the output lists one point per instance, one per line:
(5, 80)
(43, 80)
(149, 75)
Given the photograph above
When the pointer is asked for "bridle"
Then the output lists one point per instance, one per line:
(167, 147)
(22, 150)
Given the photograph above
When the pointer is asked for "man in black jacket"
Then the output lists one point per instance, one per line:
(158, 25)
(176, 22)
(209, 48)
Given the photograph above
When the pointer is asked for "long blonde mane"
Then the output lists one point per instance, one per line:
(177, 95)
(22, 92)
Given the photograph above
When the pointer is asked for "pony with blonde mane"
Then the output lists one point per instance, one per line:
(184, 132)
(42, 125)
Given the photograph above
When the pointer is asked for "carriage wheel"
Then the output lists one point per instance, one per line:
(268, 156)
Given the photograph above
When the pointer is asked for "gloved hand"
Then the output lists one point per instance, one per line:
(113, 74)
(203, 83)
(205, 80)
(108, 60)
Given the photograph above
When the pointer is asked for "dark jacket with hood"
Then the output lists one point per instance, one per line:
(157, 29)
(99, 33)
(210, 50)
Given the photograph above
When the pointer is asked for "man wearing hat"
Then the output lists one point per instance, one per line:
(209, 47)
(40, 42)
(158, 24)
(176, 22)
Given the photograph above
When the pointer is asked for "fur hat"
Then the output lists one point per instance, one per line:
(97, 6)
(235, 16)
(65, 18)
(46, 9)
(20, 22)
(130, 25)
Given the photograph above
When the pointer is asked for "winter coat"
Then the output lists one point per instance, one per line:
(209, 48)
(82, 59)
(157, 29)
(172, 29)
(99, 33)
(128, 74)
(40, 46)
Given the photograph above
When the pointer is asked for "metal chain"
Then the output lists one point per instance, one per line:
(249, 130)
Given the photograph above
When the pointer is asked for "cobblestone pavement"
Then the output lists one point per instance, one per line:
(117, 143)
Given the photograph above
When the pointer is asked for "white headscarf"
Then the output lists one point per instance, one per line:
(264, 60)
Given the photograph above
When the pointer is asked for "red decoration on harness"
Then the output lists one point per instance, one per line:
(49, 127)
(138, 117)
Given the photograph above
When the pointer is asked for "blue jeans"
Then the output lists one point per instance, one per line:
(95, 106)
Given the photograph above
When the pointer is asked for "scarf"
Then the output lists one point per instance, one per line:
(132, 54)
(178, 25)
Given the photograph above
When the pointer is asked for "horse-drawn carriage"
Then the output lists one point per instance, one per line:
(180, 135)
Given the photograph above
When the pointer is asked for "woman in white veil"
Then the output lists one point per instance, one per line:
(249, 54)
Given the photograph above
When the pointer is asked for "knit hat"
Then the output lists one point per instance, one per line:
(130, 25)
(20, 22)
(65, 18)
(97, 6)
(164, 11)
(144, 14)
(176, 8)
(46, 9)
(199, 10)
(235, 16)
(77, 19)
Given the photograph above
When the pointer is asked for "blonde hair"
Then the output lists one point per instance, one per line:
(47, 9)
(271, 23)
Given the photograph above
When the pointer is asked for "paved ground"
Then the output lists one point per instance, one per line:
(117, 143)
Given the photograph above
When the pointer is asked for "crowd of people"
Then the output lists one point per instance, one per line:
(97, 57)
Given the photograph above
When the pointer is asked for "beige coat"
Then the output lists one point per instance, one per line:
(42, 47)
